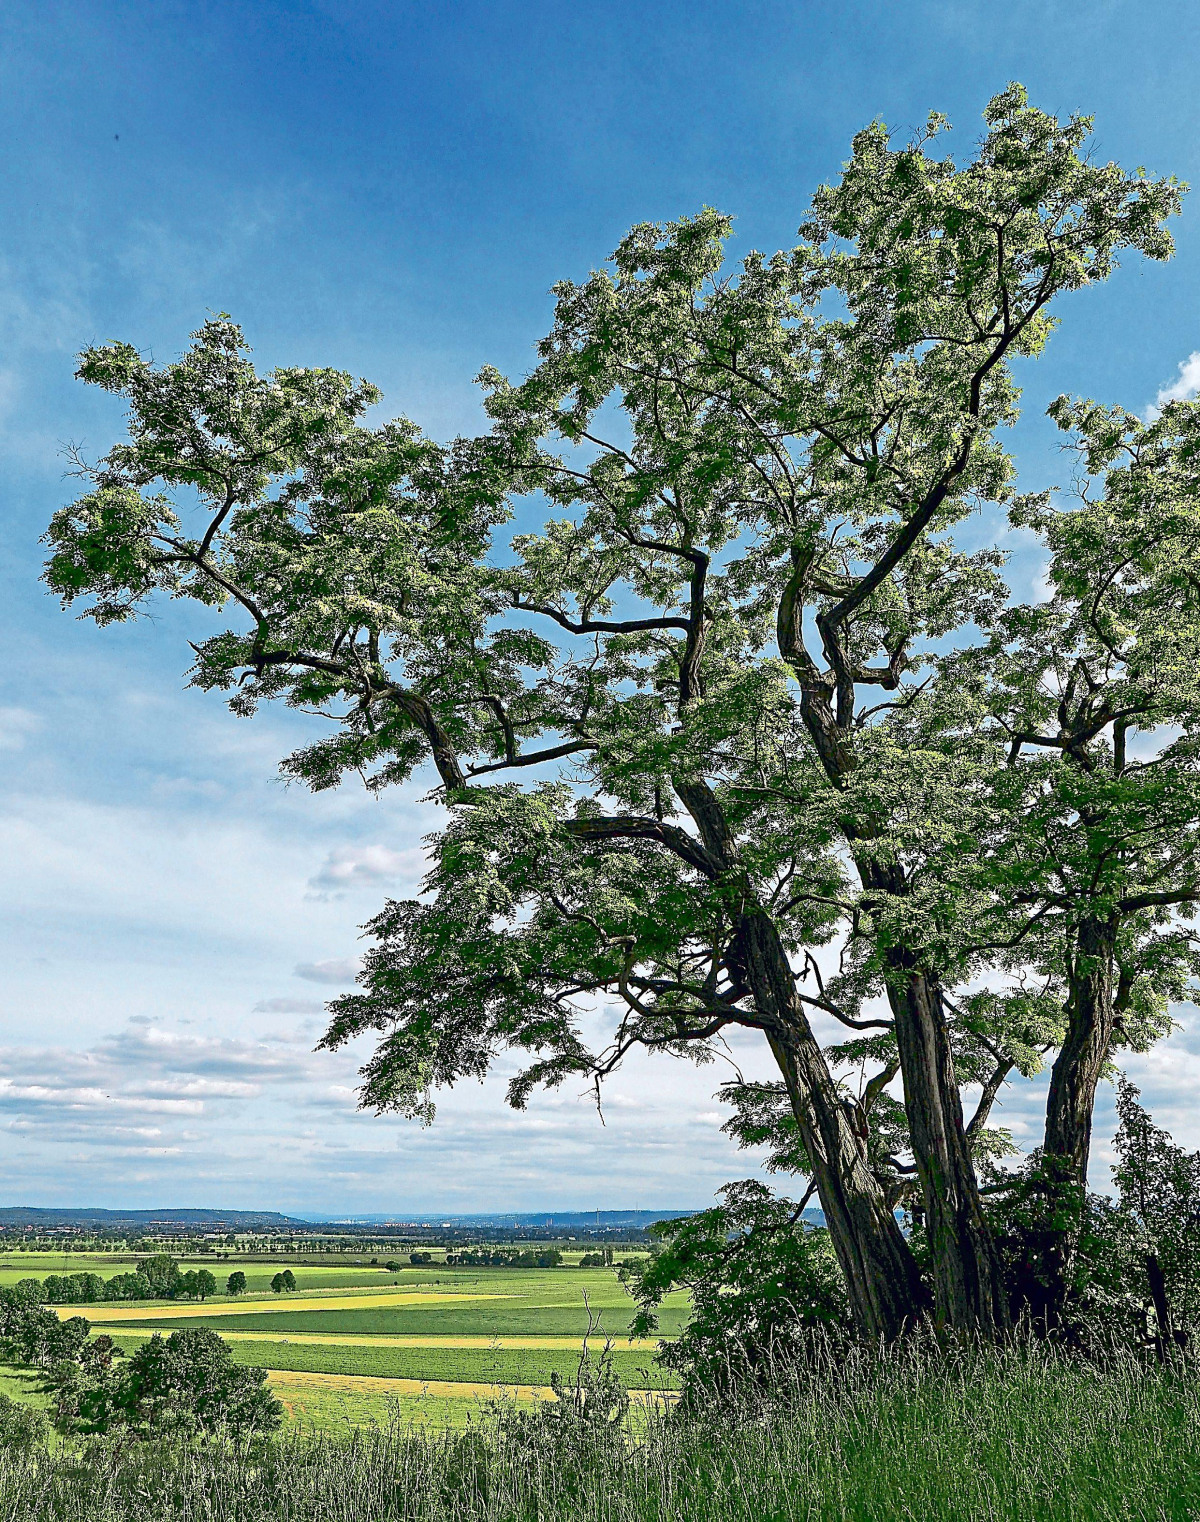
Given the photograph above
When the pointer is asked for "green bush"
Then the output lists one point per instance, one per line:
(189, 1381)
(761, 1280)
(21, 1427)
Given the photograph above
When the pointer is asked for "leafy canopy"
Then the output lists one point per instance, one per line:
(709, 660)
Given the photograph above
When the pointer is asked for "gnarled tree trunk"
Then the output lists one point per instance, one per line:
(969, 1293)
(882, 1279)
(1091, 1011)
(1070, 1106)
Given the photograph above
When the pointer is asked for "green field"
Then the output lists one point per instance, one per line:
(540, 1315)
(494, 1365)
(329, 1383)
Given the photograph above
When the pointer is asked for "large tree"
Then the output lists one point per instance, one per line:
(716, 642)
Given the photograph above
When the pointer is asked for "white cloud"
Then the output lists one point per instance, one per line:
(336, 970)
(365, 866)
(1183, 388)
(288, 1007)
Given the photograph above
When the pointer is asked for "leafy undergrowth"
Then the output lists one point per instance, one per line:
(1022, 1436)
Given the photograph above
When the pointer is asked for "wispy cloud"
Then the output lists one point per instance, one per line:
(16, 725)
(141, 1069)
(365, 866)
(288, 1007)
(341, 970)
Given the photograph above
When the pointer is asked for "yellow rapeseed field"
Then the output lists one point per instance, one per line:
(372, 1340)
(131, 1311)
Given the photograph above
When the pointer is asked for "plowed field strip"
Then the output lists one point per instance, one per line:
(350, 1340)
(104, 1314)
(371, 1384)
(367, 1384)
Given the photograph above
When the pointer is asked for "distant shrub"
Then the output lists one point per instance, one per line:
(162, 1274)
(72, 1289)
(601, 1259)
(128, 1287)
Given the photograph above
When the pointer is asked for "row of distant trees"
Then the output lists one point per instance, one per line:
(501, 1257)
(160, 1277)
(155, 1278)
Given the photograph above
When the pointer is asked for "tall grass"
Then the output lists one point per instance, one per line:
(1021, 1435)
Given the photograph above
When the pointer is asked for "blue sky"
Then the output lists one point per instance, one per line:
(392, 189)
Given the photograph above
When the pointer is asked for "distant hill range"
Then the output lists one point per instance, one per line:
(182, 1222)
(17, 1216)
(567, 1219)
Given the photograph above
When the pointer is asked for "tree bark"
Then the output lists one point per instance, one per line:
(1070, 1106)
(881, 1273)
(969, 1293)
(882, 1278)
(969, 1290)
(1091, 1012)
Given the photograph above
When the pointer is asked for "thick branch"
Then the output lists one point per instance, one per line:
(988, 1098)
(601, 626)
(533, 758)
(637, 827)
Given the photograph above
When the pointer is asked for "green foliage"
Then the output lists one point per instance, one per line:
(22, 1428)
(88, 1390)
(128, 1287)
(1095, 698)
(761, 1283)
(1008, 1436)
(284, 1282)
(1102, 1274)
(161, 1272)
(1159, 1186)
(73, 1289)
(503, 1257)
(236, 1283)
(37, 1337)
(188, 1382)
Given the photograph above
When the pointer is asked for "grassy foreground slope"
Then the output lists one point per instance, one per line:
(999, 1439)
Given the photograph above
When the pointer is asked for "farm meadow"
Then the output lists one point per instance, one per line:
(354, 1343)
